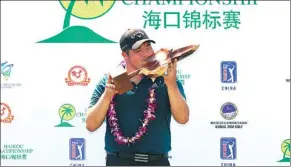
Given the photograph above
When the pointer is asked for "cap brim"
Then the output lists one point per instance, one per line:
(137, 44)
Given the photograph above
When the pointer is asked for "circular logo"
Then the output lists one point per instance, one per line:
(228, 111)
(87, 10)
(285, 147)
(77, 75)
(6, 115)
(67, 112)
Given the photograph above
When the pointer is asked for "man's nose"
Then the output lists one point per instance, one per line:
(146, 54)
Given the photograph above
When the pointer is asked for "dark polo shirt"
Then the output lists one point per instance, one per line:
(130, 107)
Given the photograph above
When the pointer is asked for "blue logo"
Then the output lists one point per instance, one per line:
(228, 148)
(77, 149)
(228, 72)
(6, 70)
(228, 111)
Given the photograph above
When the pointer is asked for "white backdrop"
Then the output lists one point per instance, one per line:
(262, 96)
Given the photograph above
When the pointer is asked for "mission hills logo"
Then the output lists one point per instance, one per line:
(82, 9)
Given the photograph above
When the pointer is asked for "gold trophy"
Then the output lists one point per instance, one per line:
(156, 66)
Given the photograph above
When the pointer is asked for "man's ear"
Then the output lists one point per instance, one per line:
(124, 55)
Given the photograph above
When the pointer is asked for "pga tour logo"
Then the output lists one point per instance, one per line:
(77, 149)
(228, 73)
(228, 148)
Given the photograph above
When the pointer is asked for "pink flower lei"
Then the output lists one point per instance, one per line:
(148, 116)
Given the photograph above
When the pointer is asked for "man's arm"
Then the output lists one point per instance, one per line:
(179, 107)
(99, 105)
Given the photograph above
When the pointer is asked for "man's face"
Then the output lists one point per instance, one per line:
(137, 57)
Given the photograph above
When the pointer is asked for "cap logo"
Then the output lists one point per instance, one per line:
(124, 47)
(138, 34)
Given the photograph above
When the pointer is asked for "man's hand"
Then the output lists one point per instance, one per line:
(170, 77)
(97, 113)
(110, 88)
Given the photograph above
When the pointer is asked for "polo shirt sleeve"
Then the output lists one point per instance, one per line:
(98, 91)
(180, 86)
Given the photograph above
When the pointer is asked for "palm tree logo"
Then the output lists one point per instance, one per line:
(86, 9)
(285, 148)
(67, 112)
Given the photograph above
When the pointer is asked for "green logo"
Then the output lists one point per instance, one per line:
(83, 10)
(67, 112)
(285, 148)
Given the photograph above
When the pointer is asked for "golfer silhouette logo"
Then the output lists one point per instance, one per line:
(77, 149)
(228, 148)
(81, 9)
(228, 72)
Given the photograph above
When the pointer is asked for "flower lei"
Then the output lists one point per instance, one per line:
(148, 116)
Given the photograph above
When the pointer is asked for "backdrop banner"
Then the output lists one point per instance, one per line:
(237, 83)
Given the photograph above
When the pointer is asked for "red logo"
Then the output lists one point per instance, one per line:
(77, 75)
(6, 116)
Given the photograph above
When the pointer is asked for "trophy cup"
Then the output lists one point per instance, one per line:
(156, 66)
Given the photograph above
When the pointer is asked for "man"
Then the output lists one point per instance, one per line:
(126, 142)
